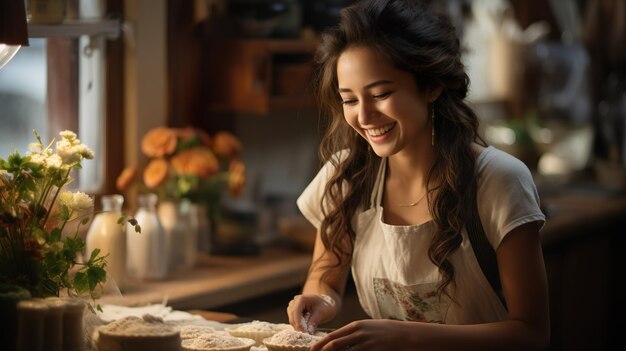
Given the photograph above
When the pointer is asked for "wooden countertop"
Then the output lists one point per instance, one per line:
(575, 213)
(220, 280)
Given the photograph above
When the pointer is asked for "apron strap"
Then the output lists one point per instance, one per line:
(377, 190)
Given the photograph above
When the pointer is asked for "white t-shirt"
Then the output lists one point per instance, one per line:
(394, 277)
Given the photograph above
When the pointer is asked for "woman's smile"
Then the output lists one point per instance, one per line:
(375, 132)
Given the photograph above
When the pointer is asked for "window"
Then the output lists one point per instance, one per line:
(57, 83)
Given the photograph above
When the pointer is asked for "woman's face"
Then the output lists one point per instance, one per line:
(382, 103)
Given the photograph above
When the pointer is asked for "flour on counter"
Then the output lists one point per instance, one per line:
(294, 338)
(216, 341)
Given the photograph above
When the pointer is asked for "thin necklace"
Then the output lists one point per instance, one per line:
(414, 203)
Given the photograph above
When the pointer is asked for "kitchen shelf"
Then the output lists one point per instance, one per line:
(261, 76)
(109, 28)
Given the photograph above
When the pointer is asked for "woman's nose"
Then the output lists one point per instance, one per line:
(367, 111)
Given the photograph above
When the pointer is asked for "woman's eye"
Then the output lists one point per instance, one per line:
(382, 96)
(348, 101)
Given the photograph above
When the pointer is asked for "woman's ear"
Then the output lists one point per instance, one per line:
(434, 93)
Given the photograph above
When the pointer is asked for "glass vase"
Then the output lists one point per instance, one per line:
(147, 251)
(181, 233)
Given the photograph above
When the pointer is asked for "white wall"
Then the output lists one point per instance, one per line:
(145, 37)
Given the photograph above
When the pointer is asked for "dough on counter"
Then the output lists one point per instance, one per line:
(194, 331)
(257, 330)
(218, 341)
(291, 340)
(137, 334)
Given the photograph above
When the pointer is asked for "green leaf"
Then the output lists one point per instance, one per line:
(74, 244)
(81, 282)
(137, 228)
(64, 212)
(95, 276)
(55, 235)
(94, 254)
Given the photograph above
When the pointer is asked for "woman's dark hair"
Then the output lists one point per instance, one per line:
(418, 40)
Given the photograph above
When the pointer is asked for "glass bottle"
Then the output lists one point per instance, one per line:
(146, 251)
(180, 232)
(109, 236)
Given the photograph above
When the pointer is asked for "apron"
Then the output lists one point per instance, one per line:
(395, 278)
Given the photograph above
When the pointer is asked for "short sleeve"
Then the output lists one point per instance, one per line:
(507, 196)
(310, 201)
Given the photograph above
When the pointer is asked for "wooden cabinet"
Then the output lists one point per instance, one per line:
(260, 76)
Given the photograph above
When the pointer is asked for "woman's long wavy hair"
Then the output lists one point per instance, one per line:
(424, 43)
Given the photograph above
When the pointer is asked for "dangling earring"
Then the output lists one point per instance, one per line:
(432, 134)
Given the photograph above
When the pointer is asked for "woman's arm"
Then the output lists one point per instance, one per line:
(524, 284)
(320, 300)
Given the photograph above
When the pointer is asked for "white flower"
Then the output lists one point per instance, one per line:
(65, 198)
(35, 147)
(72, 151)
(54, 161)
(85, 151)
(78, 201)
(70, 136)
(46, 159)
(81, 201)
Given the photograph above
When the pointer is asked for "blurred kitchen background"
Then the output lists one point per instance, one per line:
(548, 80)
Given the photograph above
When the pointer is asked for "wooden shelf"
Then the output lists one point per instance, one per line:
(261, 76)
(109, 28)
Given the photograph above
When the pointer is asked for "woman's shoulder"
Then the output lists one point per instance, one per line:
(495, 162)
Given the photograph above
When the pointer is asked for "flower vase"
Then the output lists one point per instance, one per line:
(147, 251)
(180, 232)
(106, 234)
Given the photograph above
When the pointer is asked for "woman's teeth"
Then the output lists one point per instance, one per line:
(380, 131)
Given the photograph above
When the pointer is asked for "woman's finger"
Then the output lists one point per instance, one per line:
(295, 312)
(339, 339)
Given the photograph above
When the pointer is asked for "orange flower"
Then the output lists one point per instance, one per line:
(237, 179)
(188, 133)
(185, 133)
(227, 145)
(196, 162)
(125, 178)
(159, 142)
(155, 173)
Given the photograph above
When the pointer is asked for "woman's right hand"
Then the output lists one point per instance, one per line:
(307, 311)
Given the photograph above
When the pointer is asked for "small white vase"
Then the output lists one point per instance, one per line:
(181, 233)
(106, 234)
(147, 251)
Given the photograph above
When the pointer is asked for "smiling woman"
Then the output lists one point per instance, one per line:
(409, 193)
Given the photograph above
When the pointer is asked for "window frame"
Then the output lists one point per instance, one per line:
(63, 95)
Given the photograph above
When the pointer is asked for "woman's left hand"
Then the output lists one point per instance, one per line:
(365, 335)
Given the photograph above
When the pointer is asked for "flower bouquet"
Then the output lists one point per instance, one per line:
(187, 163)
(36, 211)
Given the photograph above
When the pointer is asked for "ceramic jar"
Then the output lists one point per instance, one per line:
(106, 234)
(30, 324)
(146, 256)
